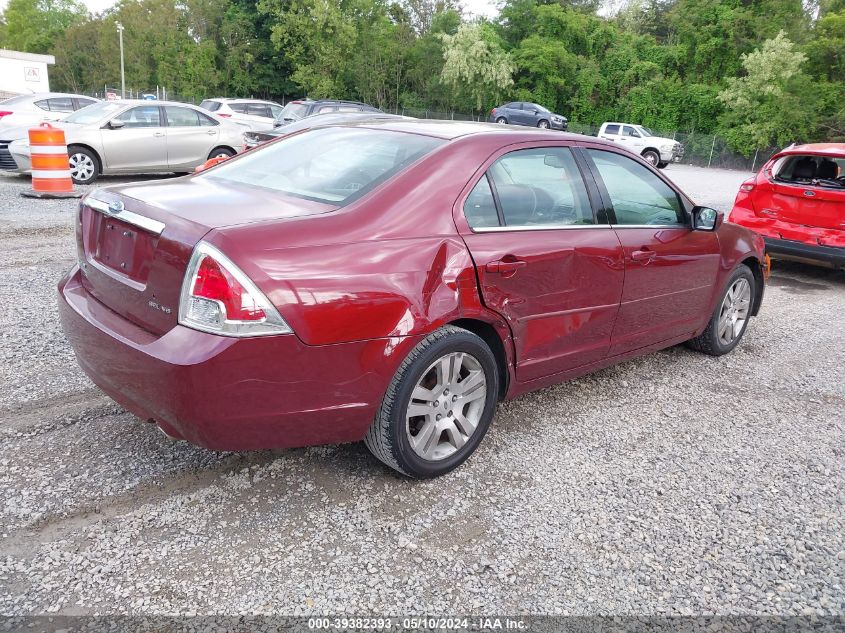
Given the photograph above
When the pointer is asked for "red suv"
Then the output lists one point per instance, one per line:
(392, 281)
(797, 203)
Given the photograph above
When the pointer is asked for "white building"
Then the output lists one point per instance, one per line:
(23, 73)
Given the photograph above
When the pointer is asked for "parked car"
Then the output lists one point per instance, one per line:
(391, 282)
(254, 114)
(531, 114)
(303, 108)
(44, 106)
(254, 139)
(134, 136)
(797, 203)
(658, 151)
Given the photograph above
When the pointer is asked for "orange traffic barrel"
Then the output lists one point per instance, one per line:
(50, 168)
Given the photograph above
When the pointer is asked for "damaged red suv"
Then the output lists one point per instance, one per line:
(797, 203)
(392, 281)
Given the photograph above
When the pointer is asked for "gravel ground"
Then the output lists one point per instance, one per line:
(671, 484)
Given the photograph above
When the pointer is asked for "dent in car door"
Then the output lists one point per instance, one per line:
(140, 144)
(543, 261)
(190, 137)
(670, 270)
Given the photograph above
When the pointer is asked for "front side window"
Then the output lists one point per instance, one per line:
(627, 130)
(637, 195)
(329, 165)
(541, 186)
(141, 116)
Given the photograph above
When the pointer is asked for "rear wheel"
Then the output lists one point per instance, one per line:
(84, 165)
(438, 405)
(501, 120)
(730, 319)
(221, 152)
(652, 157)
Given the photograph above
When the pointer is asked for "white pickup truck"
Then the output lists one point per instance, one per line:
(656, 150)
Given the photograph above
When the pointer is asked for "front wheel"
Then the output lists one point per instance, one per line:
(543, 124)
(438, 406)
(652, 157)
(730, 319)
(84, 165)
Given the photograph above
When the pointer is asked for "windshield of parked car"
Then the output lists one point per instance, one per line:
(335, 165)
(93, 113)
(825, 171)
(292, 112)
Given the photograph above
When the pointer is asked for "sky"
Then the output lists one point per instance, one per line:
(485, 8)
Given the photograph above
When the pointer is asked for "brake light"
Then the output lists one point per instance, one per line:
(5, 113)
(746, 187)
(225, 116)
(218, 297)
(493, 111)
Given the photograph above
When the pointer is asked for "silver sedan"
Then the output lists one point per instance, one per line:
(131, 137)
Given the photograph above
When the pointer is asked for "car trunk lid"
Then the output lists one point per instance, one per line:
(135, 241)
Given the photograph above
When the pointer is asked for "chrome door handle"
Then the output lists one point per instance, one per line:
(211, 132)
(644, 255)
(158, 134)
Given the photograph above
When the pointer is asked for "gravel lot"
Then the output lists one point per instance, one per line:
(672, 484)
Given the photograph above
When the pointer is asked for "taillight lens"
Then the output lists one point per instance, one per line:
(225, 116)
(493, 111)
(5, 113)
(218, 297)
(746, 187)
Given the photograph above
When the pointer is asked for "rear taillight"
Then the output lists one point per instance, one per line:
(5, 113)
(218, 297)
(225, 116)
(746, 187)
(493, 111)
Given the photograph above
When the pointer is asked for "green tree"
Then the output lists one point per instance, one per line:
(475, 64)
(763, 107)
(33, 26)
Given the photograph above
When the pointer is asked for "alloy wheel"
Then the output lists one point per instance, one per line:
(446, 406)
(81, 166)
(543, 124)
(734, 311)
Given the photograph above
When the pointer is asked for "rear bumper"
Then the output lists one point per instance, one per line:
(799, 251)
(227, 393)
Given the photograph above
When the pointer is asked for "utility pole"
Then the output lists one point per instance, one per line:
(122, 75)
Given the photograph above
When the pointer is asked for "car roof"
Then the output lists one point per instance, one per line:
(153, 102)
(450, 130)
(36, 96)
(240, 100)
(828, 149)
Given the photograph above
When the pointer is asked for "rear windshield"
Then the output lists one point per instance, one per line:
(330, 165)
(293, 111)
(211, 106)
(93, 113)
(826, 171)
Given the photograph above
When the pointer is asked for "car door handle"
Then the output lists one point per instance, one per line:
(211, 132)
(504, 267)
(158, 134)
(644, 255)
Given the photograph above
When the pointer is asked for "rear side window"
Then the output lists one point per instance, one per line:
(211, 106)
(44, 104)
(480, 207)
(181, 117)
(259, 109)
(611, 129)
(329, 165)
(240, 108)
(637, 195)
(541, 186)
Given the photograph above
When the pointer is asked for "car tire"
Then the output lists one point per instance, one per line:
(84, 165)
(730, 319)
(662, 165)
(396, 438)
(220, 151)
(502, 120)
(651, 157)
(542, 123)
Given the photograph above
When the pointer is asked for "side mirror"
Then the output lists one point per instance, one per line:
(706, 219)
(116, 124)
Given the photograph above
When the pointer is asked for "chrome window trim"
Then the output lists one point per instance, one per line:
(142, 222)
(538, 227)
(650, 226)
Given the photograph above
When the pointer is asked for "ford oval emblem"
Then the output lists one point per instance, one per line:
(115, 207)
(809, 193)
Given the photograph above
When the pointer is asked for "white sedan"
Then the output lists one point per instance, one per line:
(132, 137)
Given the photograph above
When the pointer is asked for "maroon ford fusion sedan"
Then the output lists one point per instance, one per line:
(391, 281)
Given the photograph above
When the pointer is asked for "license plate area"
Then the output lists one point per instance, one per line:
(123, 248)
